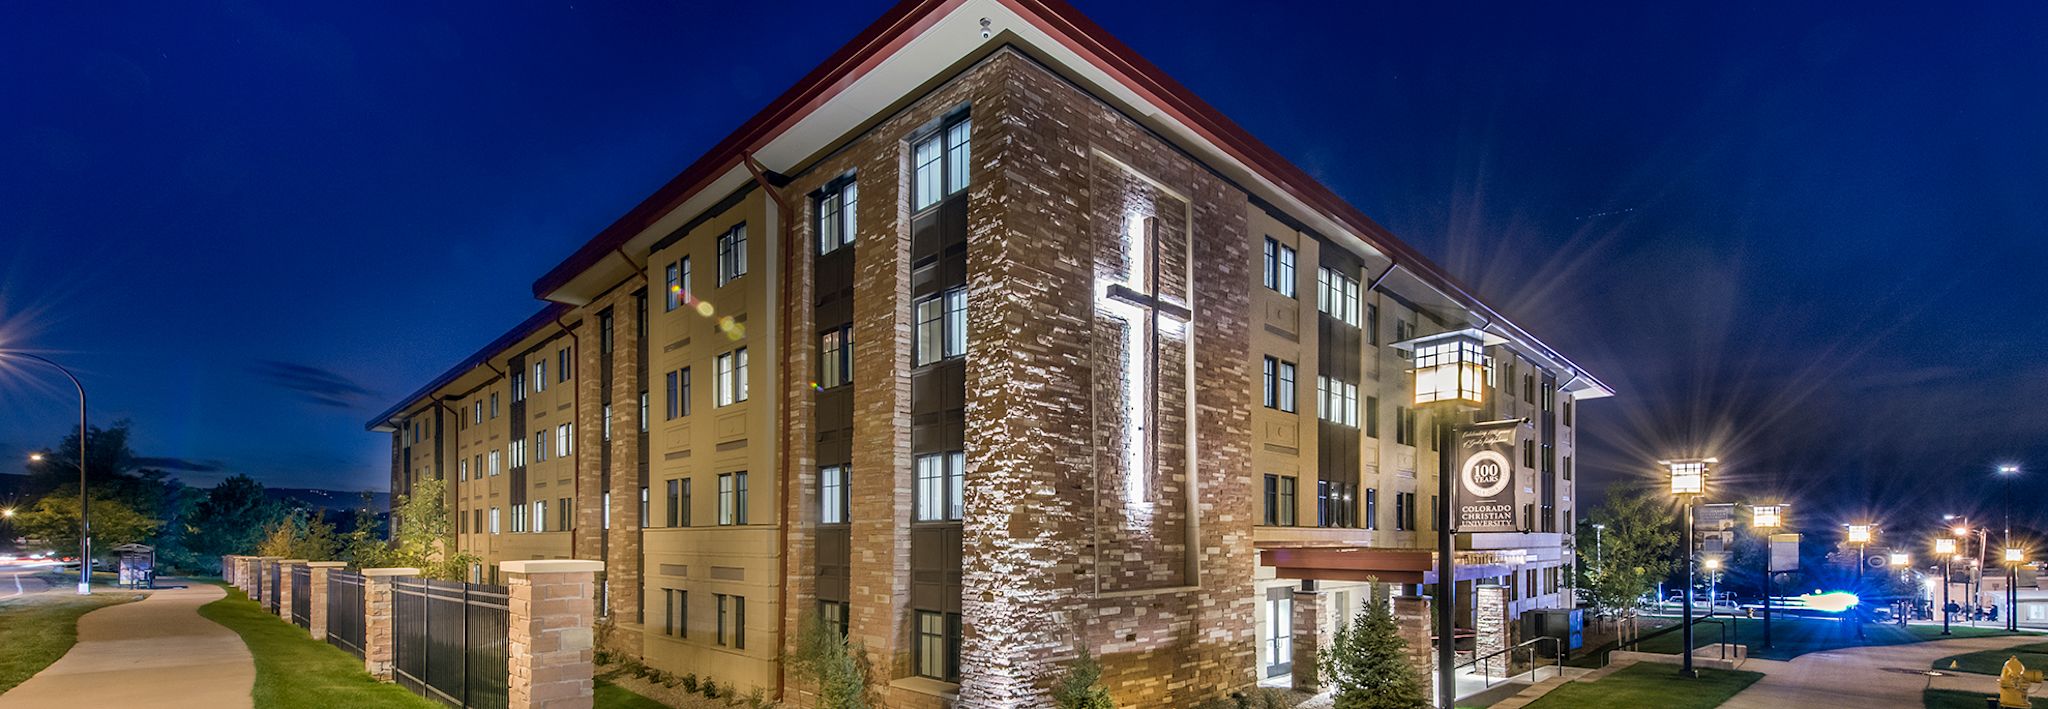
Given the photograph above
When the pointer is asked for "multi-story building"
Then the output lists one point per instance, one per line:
(984, 343)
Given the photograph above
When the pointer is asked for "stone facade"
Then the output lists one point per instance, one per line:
(1493, 625)
(1312, 637)
(378, 645)
(551, 607)
(285, 568)
(316, 615)
(1412, 615)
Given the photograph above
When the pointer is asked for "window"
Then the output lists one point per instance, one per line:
(604, 332)
(1279, 269)
(478, 415)
(836, 206)
(679, 393)
(607, 413)
(494, 520)
(678, 499)
(833, 495)
(732, 498)
(562, 365)
(1372, 324)
(675, 616)
(1337, 401)
(940, 163)
(562, 439)
(732, 621)
(732, 254)
(1336, 504)
(1567, 467)
(1401, 512)
(732, 377)
(476, 523)
(607, 518)
(939, 479)
(1372, 508)
(540, 376)
(1568, 412)
(644, 517)
(835, 357)
(518, 386)
(1280, 500)
(463, 521)
(1279, 376)
(643, 411)
(494, 405)
(477, 465)
(540, 444)
(565, 515)
(540, 515)
(941, 327)
(517, 451)
(1404, 425)
(494, 463)
(1372, 416)
(937, 653)
(519, 518)
(461, 470)
(1528, 454)
(834, 615)
(678, 284)
(1337, 296)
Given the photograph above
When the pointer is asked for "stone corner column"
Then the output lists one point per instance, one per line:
(284, 587)
(551, 608)
(1412, 616)
(1311, 638)
(1490, 624)
(378, 642)
(316, 612)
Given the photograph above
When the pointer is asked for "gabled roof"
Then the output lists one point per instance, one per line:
(940, 31)
(547, 317)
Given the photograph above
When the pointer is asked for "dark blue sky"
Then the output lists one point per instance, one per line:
(1805, 241)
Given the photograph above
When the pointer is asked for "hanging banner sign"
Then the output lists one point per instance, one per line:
(1784, 552)
(1489, 484)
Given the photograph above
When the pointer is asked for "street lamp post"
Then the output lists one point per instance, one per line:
(2012, 573)
(1859, 535)
(1763, 519)
(1688, 482)
(1713, 564)
(1450, 378)
(84, 504)
(1946, 549)
(1900, 560)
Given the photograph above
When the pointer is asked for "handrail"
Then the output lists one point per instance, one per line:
(1723, 626)
(1486, 673)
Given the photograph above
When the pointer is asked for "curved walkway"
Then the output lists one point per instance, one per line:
(156, 652)
(1882, 677)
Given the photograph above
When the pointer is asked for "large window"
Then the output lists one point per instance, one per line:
(540, 444)
(1280, 491)
(940, 163)
(732, 377)
(564, 515)
(938, 645)
(562, 439)
(837, 204)
(540, 375)
(1338, 296)
(517, 449)
(833, 495)
(678, 394)
(1338, 401)
(939, 479)
(495, 460)
(676, 612)
(540, 515)
(732, 254)
(678, 283)
(732, 498)
(494, 520)
(678, 502)
(1336, 504)
(1279, 267)
(941, 327)
(1279, 384)
(732, 620)
(834, 615)
(835, 357)
(564, 366)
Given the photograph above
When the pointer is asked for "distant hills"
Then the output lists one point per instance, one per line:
(11, 485)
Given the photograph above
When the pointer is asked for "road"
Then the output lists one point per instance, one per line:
(19, 579)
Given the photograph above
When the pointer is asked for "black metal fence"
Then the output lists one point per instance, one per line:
(345, 611)
(255, 581)
(270, 601)
(450, 641)
(302, 596)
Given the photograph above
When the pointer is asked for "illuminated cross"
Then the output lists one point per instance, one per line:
(1134, 297)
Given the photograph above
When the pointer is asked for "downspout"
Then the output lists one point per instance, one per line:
(784, 214)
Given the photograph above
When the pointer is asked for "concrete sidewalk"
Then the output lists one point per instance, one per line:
(1882, 677)
(156, 652)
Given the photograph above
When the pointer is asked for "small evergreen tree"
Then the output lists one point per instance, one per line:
(1082, 688)
(838, 668)
(1369, 667)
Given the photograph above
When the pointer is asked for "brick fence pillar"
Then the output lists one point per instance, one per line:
(1490, 624)
(1412, 616)
(1310, 638)
(551, 609)
(316, 612)
(242, 572)
(377, 638)
(284, 587)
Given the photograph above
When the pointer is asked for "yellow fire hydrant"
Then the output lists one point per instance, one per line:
(2014, 681)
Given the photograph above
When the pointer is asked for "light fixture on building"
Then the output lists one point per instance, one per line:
(1765, 517)
(1450, 367)
(2015, 555)
(1900, 559)
(1688, 477)
(1859, 534)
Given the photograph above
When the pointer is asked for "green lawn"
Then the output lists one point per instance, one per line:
(1989, 662)
(36, 629)
(1649, 684)
(294, 671)
(1951, 699)
(612, 696)
(1792, 637)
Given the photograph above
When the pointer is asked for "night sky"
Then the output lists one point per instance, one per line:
(1806, 242)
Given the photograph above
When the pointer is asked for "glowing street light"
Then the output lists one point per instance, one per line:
(1945, 548)
(1688, 482)
(1763, 519)
(1859, 535)
(2015, 555)
(84, 503)
(1449, 377)
(35, 457)
(1765, 516)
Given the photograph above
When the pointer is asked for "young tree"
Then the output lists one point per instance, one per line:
(1081, 687)
(1368, 664)
(420, 533)
(838, 669)
(300, 535)
(1636, 551)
